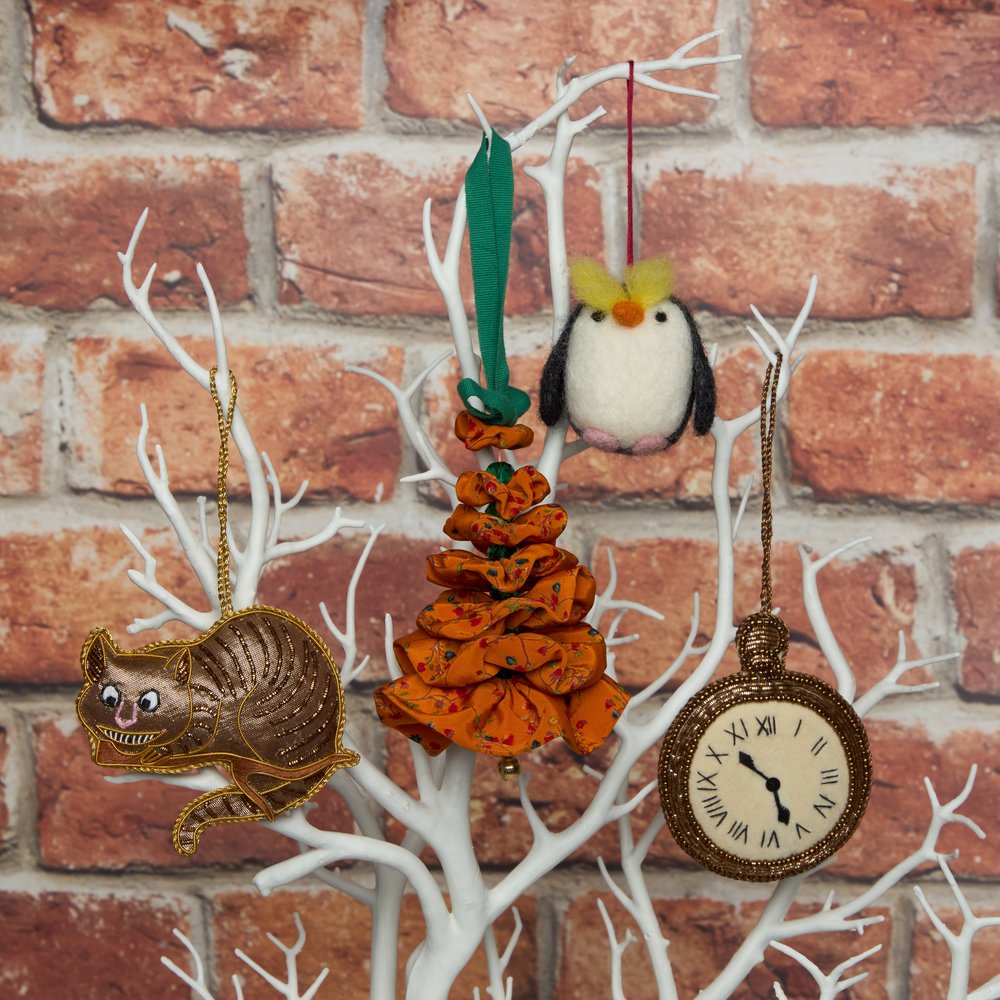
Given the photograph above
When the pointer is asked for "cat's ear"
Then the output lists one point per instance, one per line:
(180, 665)
(96, 649)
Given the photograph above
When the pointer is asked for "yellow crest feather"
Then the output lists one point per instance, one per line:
(593, 286)
(649, 281)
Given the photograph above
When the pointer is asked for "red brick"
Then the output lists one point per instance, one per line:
(910, 427)
(377, 265)
(435, 52)
(703, 935)
(85, 822)
(64, 220)
(682, 473)
(898, 241)
(58, 583)
(885, 64)
(215, 64)
(394, 582)
(338, 935)
(5, 832)
(977, 599)
(930, 962)
(899, 811)
(91, 947)
(867, 600)
(354, 452)
(22, 373)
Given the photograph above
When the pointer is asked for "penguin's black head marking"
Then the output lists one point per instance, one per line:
(661, 317)
(597, 316)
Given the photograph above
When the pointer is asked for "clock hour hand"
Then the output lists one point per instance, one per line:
(771, 784)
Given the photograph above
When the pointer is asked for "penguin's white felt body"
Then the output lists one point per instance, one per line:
(628, 386)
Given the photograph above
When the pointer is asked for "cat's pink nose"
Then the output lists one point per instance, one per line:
(125, 723)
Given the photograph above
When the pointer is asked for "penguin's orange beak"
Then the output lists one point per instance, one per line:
(627, 312)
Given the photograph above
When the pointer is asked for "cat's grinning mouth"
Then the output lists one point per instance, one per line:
(126, 739)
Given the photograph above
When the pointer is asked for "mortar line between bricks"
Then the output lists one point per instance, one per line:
(261, 235)
(27, 853)
(374, 74)
(547, 945)
(739, 22)
(363, 336)
(916, 146)
(984, 279)
(904, 927)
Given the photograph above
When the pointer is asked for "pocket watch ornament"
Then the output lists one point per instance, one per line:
(765, 773)
(257, 695)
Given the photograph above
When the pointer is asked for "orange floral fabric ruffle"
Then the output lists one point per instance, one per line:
(477, 434)
(502, 661)
(542, 524)
(526, 487)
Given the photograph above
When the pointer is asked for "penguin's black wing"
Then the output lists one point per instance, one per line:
(552, 391)
(702, 377)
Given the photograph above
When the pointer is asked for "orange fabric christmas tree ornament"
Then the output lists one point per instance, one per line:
(502, 661)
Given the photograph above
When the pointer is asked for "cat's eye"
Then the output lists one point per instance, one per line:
(150, 701)
(110, 695)
(661, 317)
(597, 316)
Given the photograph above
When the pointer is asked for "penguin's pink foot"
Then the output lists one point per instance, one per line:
(649, 444)
(601, 439)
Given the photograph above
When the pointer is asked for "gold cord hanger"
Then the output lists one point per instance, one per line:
(225, 425)
(762, 638)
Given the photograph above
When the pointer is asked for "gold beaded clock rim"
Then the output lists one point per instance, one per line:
(749, 687)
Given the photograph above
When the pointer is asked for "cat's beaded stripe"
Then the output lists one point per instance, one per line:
(258, 694)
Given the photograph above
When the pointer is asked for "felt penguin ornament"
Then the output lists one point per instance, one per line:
(629, 369)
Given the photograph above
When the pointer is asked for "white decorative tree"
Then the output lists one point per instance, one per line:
(460, 907)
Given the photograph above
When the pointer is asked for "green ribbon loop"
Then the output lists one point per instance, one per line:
(489, 195)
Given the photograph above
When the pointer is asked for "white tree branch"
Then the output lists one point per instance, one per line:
(348, 638)
(829, 985)
(290, 987)
(960, 944)
(618, 949)
(436, 469)
(889, 686)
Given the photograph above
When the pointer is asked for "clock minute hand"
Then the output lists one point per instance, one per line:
(771, 784)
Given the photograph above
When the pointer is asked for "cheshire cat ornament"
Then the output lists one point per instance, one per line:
(257, 696)
(629, 369)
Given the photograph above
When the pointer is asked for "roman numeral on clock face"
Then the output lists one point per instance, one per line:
(818, 747)
(706, 782)
(800, 829)
(733, 731)
(766, 726)
(738, 830)
(715, 809)
(825, 806)
(715, 754)
(829, 776)
(769, 839)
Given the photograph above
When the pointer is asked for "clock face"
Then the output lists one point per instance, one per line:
(768, 779)
(764, 774)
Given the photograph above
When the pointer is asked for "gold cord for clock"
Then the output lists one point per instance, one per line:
(225, 425)
(769, 394)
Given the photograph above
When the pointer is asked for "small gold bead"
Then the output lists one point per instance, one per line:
(508, 767)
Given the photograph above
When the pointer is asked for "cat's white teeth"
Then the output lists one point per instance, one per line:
(126, 739)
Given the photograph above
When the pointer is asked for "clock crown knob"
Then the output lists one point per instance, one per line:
(762, 642)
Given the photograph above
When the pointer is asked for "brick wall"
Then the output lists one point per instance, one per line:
(289, 146)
